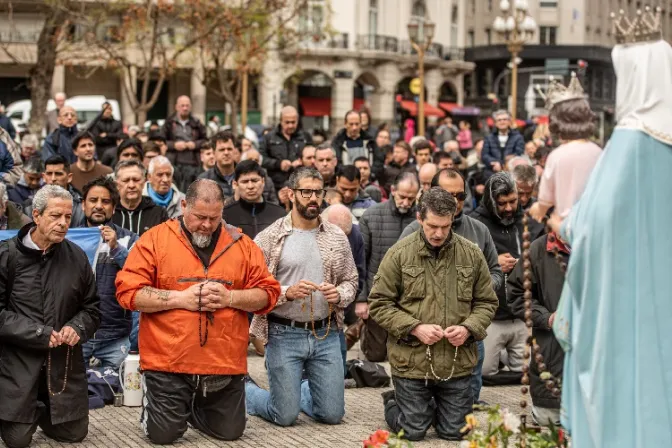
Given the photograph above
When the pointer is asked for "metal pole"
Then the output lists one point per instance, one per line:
(421, 103)
(243, 106)
(514, 86)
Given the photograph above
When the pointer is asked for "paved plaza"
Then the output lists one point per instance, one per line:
(119, 427)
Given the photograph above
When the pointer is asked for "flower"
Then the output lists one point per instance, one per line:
(561, 435)
(510, 421)
(381, 436)
(468, 444)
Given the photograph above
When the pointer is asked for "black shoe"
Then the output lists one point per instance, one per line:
(388, 396)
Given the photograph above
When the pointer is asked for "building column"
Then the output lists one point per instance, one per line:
(459, 87)
(128, 116)
(382, 99)
(198, 93)
(341, 102)
(433, 82)
(58, 81)
(272, 80)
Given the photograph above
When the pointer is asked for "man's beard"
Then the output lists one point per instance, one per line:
(307, 213)
(200, 240)
(95, 222)
(507, 218)
(403, 210)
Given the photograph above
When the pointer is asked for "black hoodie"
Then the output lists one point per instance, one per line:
(144, 217)
(508, 238)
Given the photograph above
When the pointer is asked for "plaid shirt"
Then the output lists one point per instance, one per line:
(338, 265)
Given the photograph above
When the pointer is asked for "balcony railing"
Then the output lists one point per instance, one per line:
(378, 42)
(23, 37)
(337, 41)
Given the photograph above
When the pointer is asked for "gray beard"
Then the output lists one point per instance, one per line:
(201, 241)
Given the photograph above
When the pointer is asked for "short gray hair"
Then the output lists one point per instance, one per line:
(526, 174)
(438, 201)
(500, 112)
(158, 161)
(324, 146)
(3, 194)
(339, 215)
(33, 165)
(130, 164)
(517, 161)
(303, 173)
(245, 155)
(41, 198)
(30, 140)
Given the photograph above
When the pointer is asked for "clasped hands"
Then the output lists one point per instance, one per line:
(430, 334)
(213, 296)
(67, 335)
(305, 288)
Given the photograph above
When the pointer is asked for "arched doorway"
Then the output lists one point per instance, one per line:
(310, 92)
(448, 92)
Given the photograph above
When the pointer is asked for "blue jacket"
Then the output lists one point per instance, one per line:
(115, 322)
(6, 160)
(20, 193)
(7, 125)
(493, 152)
(60, 142)
(356, 241)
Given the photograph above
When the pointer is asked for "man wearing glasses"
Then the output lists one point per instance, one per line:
(475, 231)
(59, 142)
(504, 142)
(313, 262)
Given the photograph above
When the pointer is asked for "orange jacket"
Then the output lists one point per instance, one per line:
(163, 258)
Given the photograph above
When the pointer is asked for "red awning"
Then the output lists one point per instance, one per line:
(430, 111)
(448, 107)
(357, 103)
(315, 107)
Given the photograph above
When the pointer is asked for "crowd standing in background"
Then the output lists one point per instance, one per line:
(353, 236)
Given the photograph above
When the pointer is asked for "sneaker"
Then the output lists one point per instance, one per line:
(388, 396)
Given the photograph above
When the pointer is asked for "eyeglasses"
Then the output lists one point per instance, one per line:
(307, 194)
(461, 196)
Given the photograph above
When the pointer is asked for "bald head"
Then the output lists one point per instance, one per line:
(252, 154)
(183, 107)
(289, 120)
(204, 190)
(59, 99)
(426, 174)
(339, 215)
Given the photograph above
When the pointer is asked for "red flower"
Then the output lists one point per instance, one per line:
(377, 439)
(561, 436)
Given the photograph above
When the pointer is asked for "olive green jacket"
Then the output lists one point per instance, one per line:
(413, 287)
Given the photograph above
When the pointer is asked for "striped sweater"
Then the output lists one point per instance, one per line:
(337, 263)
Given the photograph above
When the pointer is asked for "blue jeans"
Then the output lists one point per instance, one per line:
(344, 351)
(134, 331)
(477, 373)
(414, 411)
(110, 352)
(289, 351)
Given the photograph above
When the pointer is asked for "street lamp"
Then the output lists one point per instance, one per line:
(421, 34)
(517, 27)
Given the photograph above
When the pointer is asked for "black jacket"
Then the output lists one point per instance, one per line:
(393, 170)
(274, 148)
(214, 174)
(381, 226)
(50, 290)
(109, 126)
(198, 136)
(376, 157)
(547, 282)
(508, 239)
(252, 218)
(140, 220)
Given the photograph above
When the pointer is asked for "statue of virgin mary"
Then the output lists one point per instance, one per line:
(615, 315)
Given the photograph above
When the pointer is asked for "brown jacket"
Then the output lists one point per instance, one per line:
(337, 263)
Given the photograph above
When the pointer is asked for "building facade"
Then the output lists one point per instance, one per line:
(572, 35)
(357, 53)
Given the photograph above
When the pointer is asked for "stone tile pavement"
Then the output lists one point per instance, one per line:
(119, 427)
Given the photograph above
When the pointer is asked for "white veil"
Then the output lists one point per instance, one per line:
(644, 88)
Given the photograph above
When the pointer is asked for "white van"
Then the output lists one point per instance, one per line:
(87, 106)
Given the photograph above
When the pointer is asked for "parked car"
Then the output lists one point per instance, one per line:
(87, 106)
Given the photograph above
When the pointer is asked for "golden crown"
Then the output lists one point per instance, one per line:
(645, 27)
(557, 92)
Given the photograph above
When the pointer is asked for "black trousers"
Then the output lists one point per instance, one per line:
(215, 405)
(20, 435)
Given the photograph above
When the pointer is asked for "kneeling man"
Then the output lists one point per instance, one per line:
(194, 279)
(433, 295)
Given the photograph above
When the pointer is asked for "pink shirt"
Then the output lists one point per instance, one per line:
(566, 173)
(464, 139)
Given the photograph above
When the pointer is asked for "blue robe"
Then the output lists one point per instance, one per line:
(615, 315)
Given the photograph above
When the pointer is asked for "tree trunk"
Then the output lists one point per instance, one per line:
(234, 118)
(142, 117)
(42, 73)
